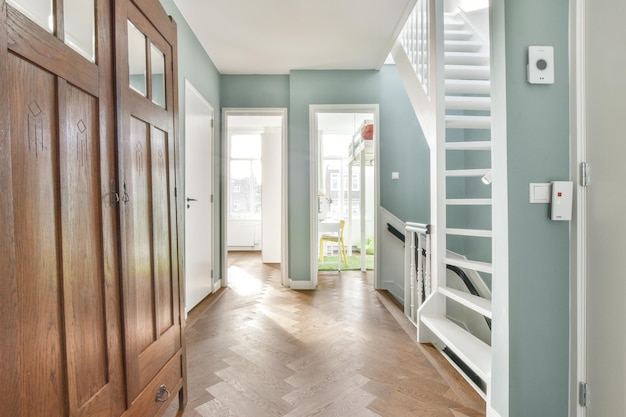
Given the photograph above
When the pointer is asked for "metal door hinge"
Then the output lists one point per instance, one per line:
(211, 273)
(211, 122)
(584, 174)
(583, 394)
(211, 198)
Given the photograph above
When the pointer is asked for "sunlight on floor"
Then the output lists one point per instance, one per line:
(242, 282)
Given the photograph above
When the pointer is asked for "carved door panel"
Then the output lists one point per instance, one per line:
(147, 138)
(61, 349)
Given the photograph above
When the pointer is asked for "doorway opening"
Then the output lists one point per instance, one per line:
(255, 192)
(198, 198)
(344, 188)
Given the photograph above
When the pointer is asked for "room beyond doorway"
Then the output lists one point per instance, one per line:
(255, 192)
(344, 187)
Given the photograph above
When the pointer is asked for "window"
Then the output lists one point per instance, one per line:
(334, 181)
(245, 176)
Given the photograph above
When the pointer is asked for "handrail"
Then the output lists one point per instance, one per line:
(396, 232)
(468, 283)
(418, 271)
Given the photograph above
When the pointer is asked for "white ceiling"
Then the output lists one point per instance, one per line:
(276, 36)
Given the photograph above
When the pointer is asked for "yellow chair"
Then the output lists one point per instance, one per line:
(335, 239)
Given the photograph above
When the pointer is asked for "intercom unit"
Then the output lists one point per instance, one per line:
(540, 65)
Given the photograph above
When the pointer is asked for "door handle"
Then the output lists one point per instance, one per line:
(191, 199)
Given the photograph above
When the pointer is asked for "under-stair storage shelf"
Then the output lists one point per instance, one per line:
(472, 265)
(473, 352)
(478, 304)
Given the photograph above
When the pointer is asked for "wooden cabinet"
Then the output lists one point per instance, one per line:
(90, 294)
(147, 137)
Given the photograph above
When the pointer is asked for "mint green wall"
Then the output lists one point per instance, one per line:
(255, 91)
(538, 151)
(402, 148)
(196, 66)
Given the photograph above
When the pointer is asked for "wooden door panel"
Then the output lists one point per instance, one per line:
(149, 218)
(61, 280)
(34, 140)
(83, 269)
(161, 232)
(138, 234)
(152, 284)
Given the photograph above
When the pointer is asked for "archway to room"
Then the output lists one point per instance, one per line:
(344, 188)
(255, 197)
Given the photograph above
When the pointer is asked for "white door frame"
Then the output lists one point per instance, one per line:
(314, 186)
(281, 112)
(578, 322)
(190, 88)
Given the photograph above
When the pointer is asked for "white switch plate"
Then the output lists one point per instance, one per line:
(539, 193)
(395, 175)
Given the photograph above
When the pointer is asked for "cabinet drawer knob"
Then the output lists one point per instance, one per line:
(162, 394)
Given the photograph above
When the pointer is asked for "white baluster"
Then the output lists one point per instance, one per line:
(420, 271)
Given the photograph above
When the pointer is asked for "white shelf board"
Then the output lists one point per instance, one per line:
(473, 302)
(468, 264)
(471, 350)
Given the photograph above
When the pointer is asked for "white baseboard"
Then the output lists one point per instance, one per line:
(301, 285)
(217, 285)
(491, 412)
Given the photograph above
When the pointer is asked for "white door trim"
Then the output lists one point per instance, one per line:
(257, 111)
(578, 311)
(313, 175)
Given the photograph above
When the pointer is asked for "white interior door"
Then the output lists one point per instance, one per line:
(272, 194)
(604, 286)
(198, 191)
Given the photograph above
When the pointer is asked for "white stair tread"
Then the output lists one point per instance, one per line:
(469, 232)
(455, 34)
(484, 145)
(468, 122)
(469, 201)
(478, 304)
(467, 172)
(467, 72)
(474, 352)
(462, 46)
(468, 86)
(468, 264)
(452, 24)
(468, 103)
(467, 58)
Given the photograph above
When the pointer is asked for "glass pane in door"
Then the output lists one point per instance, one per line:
(39, 11)
(137, 60)
(157, 66)
(79, 17)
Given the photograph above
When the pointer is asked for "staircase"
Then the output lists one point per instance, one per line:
(446, 69)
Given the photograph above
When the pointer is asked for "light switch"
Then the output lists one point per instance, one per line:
(395, 175)
(539, 193)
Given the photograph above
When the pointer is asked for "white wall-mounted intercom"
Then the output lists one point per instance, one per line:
(562, 196)
(540, 67)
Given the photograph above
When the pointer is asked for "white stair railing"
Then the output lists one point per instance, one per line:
(435, 45)
(417, 283)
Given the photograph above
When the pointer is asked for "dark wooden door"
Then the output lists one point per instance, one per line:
(61, 347)
(148, 175)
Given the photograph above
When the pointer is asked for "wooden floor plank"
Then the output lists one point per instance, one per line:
(259, 349)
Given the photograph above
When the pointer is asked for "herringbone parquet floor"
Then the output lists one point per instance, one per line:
(258, 349)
